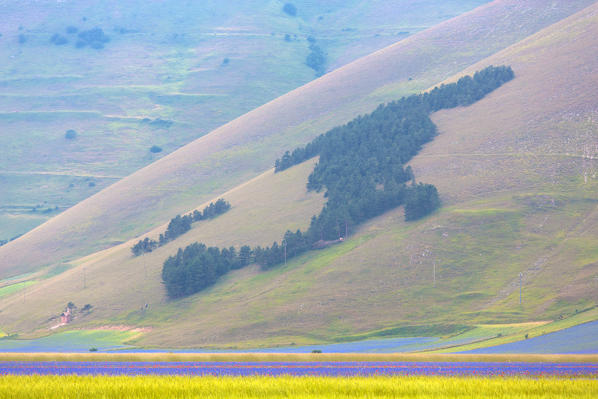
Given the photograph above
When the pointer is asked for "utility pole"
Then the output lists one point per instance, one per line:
(520, 288)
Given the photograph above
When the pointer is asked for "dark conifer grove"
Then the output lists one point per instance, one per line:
(179, 225)
(362, 170)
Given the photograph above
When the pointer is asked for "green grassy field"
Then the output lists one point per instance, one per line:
(296, 387)
(68, 341)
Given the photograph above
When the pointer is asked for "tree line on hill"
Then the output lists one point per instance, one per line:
(179, 225)
(361, 167)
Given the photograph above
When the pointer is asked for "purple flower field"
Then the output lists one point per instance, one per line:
(341, 369)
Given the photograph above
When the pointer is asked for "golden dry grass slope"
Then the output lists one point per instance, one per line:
(247, 146)
(517, 175)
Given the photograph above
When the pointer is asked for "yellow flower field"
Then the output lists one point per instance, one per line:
(23, 387)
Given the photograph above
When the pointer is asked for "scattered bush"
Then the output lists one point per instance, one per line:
(95, 38)
(93, 349)
(161, 123)
(87, 308)
(22, 38)
(290, 9)
(71, 30)
(70, 134)
(155, 149)
(180, 225)
(316, 59)
(225, 62)
(420, 200)
(58, 39)
(316, 351)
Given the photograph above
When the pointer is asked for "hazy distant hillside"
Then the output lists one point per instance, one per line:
(248, 146)
(134, 80)
(515, 172)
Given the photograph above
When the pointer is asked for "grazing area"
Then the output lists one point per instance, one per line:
(297, 387)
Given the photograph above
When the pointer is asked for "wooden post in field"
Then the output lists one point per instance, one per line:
(434, 274)
(520, 288)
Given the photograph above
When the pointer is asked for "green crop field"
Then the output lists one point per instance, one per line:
(296, 387)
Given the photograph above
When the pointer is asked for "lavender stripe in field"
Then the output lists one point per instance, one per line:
(299, 368)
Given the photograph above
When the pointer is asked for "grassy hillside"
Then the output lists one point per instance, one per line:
(516, 172)
(248, 145)
(196, 65)
(114, 281)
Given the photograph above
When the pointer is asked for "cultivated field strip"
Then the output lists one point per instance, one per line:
(24, 387)
(320, 369)
(294, 357)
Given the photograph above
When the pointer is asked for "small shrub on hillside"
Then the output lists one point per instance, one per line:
(160, 123)
(71, 30)
(421, 200)
(316, 59)
(290, 9)
(22, 38)
(70, 134)
(155, 149)
(58, 39)
(95, 38)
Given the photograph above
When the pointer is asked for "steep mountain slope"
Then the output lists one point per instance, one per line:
(170, 72)
(516, 172)
(248, 145)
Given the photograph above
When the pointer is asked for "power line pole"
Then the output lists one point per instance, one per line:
(520, 288)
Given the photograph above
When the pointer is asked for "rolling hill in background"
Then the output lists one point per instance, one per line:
(516, 173)
(170, 72)
(249, 145)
